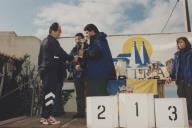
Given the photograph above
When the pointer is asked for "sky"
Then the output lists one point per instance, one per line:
(114, 17)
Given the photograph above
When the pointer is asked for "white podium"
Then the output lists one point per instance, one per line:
(102, 112)
(136, 110)
(171, 113)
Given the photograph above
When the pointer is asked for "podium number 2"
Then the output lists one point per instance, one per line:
(174, 112)
(102, 108)
(137, 111)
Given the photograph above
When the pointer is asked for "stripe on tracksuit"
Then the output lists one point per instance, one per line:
(49, 99)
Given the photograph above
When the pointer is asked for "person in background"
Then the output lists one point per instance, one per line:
(50, 55)
(182, 72)
(78, 75)
(99, 68)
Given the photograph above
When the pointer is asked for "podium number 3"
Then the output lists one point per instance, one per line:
(173, 117)
(102, 108)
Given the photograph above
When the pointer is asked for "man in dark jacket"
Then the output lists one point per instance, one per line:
(182, 72)
(50, 56)
(100, 67)
(78, 75)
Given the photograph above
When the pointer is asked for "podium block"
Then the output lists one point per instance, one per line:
(171, 113)
(136, 110)
(102, 112)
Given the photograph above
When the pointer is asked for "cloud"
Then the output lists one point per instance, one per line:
(157, 16)
(111, 16)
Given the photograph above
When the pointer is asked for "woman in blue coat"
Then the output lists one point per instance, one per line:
(182, 72)
(99, 67)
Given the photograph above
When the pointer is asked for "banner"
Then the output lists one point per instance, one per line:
(133, 86)
(143, 86)
(138, 52)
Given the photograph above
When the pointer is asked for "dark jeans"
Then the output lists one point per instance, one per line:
(96, 87)
(80, 95)
(185, 91)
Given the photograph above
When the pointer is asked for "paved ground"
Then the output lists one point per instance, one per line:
(33, 122)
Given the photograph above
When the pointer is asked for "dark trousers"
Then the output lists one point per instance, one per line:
(49, 80)
(96, 87)
(80, 95)
(58, 108)
(185, 91)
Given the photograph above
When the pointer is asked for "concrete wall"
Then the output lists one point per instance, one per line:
(18, 46)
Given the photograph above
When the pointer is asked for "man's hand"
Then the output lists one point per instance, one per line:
(77, 67)
(168, 80)
(76, 58)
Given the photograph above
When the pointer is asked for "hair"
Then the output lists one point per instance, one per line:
(187, 43)
(80, 34)
(91, 27)
(54, 27)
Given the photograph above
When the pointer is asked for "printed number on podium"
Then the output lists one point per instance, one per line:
(137, 111)
(101, 108)
(173, 109)
(171, 112)
(140, 107)
(102, 112)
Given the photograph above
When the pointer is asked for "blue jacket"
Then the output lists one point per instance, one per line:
(99, 58)
(186, 65)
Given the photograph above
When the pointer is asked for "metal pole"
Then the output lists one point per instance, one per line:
(2, 79)
(187, 18)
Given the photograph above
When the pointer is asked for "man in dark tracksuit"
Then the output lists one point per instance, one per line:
(50, 56)
(78, 75)
(99, 67)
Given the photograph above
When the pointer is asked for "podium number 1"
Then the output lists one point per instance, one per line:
(102, 108)
(174, 112)
(137, 111)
